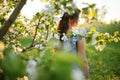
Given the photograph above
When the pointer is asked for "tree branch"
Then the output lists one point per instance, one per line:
(12, 18)
(47, 33)
(32, 44)
(36, 31)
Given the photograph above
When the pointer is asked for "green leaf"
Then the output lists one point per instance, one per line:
(13, 66)
(79, 37)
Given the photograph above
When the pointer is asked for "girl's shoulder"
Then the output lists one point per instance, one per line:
(79, 31)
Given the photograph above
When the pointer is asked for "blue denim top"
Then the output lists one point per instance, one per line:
(71, 44)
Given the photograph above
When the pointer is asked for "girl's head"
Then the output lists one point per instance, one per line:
(68, 20)
(73, 19)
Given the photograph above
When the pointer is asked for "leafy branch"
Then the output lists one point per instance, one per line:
(34, 37)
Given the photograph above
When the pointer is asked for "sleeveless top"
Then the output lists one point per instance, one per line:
(70, 44)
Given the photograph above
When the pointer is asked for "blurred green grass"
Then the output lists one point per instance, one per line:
(104, 65)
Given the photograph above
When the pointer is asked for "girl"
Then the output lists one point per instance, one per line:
(66, 25)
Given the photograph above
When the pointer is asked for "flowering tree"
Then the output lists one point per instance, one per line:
(44, 39)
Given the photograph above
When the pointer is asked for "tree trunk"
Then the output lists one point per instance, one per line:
(11, 19)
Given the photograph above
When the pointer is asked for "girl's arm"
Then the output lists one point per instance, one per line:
(81, 53)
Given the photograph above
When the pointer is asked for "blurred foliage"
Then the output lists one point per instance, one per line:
(56, 66)
(37, 39)
(12, 66)
(90, 13)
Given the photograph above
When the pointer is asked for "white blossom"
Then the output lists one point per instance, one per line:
(64, 38)
(50, 36)
(94, 41)
(36, 46)
(42, 53)
(75, 31)
(48, 9)
(31, 69)
(99, 47)
(69, 5)
(19, 49)
(56, 36)
(57, 19)
(107, 34)
(41, 46)
(14, 47)
(81, 32)
(40, 26)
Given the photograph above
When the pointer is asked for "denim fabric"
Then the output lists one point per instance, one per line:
(70, 44)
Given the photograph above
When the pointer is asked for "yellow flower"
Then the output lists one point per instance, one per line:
(93, 30)
(1, 71)
(1, 55)
(53, 50)
(24, 78)
(2, 46)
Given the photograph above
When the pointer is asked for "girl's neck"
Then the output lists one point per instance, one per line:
(69, 30)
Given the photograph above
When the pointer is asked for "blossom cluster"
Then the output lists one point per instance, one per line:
(48, 9)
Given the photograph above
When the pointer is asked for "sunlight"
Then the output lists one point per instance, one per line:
(81, 21)
(34, 6)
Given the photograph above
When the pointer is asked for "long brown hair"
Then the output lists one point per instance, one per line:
(64, 23)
